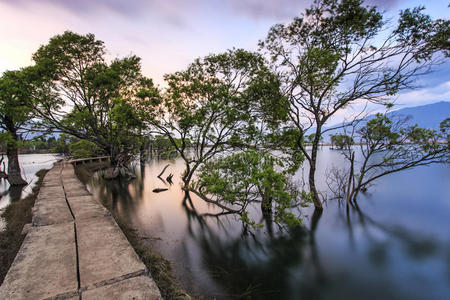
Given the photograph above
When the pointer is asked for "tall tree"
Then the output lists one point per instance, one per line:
(16, 90)
(340, 52)
(223, 116)
(91, 99)
(219, 103)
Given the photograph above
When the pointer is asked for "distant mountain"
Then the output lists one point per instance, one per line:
(426, 116)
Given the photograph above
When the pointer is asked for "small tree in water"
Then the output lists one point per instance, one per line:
(387, 145)
(341, 141)
(238, 181)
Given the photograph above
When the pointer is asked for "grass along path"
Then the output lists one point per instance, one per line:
(16, 215)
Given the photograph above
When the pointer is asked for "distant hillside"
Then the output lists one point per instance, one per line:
(426, 116)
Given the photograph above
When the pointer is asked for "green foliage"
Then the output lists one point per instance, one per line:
(445, 129)
(165, 147)
(308, 197)
(417, 29)
(341, 141)
(5, 137)
(380, 130)
(249, 176)
(83, 149)
(61, 145)
(310, 138)
(15, 98)
(109, 101)
(224, 101)
(288, 141)
(16, 92)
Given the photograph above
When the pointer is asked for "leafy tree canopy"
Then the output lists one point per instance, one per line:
(16, 94)
(91, 99)
(236, 181)
(220, 102)
(341, 140)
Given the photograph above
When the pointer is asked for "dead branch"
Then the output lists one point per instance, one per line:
(162, 172)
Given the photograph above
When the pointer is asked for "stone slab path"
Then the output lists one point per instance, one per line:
(74, 249)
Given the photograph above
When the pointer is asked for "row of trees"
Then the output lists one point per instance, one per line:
(239, 119)
(40, 143)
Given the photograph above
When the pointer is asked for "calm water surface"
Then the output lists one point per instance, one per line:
(30, 164)
(397, 246)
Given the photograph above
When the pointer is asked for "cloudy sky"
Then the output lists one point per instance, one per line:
(169, 34)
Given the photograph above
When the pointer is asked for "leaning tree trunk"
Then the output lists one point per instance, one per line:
(14, 174)
(350, 179)
(312, 173)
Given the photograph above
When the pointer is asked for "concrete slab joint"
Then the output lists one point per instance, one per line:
(74, 249)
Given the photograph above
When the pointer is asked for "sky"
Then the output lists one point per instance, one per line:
(169, 34)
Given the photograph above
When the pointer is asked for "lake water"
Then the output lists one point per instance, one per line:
(397, 246)
(29, 165)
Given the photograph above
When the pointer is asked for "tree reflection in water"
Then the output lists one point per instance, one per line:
(255, 266)
(15, 192)
(339, 254)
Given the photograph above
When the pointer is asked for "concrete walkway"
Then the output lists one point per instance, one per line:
(74, 249)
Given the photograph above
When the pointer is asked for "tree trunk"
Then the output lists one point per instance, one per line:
(14, 174)
(187, 175)
(268, 218)
(15, 192)
(266, 205)
(312, 173)
(350, 179)
(190, 172)
(142, 156)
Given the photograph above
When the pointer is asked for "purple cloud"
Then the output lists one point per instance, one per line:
(282, 9)
(271, 9)
(128, 8)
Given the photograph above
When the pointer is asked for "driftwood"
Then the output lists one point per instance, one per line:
(162, 172)
(159, 190)
(169, 178)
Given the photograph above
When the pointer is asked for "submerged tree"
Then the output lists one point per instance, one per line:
(340, 52)
(223, 112)
(219, 103)
(387, 145)
(91, 99)
(341, 141)
(15, 113)
(236, 181)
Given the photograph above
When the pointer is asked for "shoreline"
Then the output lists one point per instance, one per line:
(159, 267)
(16, 215)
